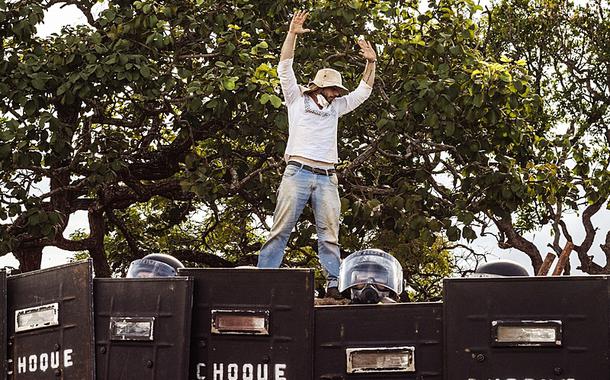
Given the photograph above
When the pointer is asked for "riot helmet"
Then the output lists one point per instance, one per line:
(154, 265)
(371, 276)
(500, 268)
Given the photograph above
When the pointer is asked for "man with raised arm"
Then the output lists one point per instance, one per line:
(311, 154)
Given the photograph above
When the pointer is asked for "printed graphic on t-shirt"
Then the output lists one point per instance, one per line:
(312, 107)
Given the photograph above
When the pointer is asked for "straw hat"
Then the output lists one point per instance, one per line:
(328, 78)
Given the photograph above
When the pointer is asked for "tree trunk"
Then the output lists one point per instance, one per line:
(515, 240)
(29, 257)
(96, 248)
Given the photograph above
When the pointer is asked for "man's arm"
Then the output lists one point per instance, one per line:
(367, 52)
(288, 80)
(355, 98)
(296, 28)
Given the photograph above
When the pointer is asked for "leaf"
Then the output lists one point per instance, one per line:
(469, 234)
(211, 104)
(453, 233)
(229, 83)
(275, 101)
(54, 217)
(30, 108)
(455, 50)
(450, 129)
(111, 60)
(478, 100)
(145, 71)
(5, 150)
(492, 117)
(38, 83)
(109, 14)
(419, 106)
(63, 88)
(373, 203)
(344, 204)
(195, 104)
(264, 99)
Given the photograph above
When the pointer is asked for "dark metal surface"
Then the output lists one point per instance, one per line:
(55, 350)
(281, 298)
(3, 321)
(142, 328)
(341, 328)
(575, 308)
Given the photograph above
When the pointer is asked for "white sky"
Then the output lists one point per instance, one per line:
(57, 17)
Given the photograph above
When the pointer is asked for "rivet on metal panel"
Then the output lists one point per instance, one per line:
(202, 343)
(480, 358)
(149, 364)
(266, 359)
(56, 347)
(103, 350)
(558, 370)
(57, 372)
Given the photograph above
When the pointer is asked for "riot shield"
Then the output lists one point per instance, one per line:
(142, 328)
(3, 354)
(50, 323)
(252, 324)
(374, 342)
(526, 328)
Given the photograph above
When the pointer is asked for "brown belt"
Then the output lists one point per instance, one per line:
(327, 172)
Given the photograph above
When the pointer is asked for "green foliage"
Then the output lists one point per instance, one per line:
(160, 105)
(565, 48)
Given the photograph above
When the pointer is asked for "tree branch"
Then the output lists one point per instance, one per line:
(586, 262)
(515, 240)
(131, 241)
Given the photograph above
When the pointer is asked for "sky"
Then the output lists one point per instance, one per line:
(57, 17)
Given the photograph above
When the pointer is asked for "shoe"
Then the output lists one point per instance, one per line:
(334, 293)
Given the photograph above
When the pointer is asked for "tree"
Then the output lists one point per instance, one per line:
(566, 49)
(160, 113)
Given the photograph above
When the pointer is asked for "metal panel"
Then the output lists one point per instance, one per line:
(269, 324)
(386, 329)
(142, 328)
(554, 328)
(3, 322)
(50, 323)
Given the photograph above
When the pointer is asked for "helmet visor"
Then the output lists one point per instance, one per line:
(382, 271)
(143, 268)
(369, 273)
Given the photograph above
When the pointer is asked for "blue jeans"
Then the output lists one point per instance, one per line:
(297, 187)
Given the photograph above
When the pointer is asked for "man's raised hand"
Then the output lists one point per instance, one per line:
(366, 50)
(296, 25)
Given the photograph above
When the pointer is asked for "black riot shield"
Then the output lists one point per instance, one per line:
(50, 323)
(3, 354)
(374, 342)
(142, 328)
(252, 324)
(552, 328)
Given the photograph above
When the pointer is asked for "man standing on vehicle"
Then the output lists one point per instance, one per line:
(311, 154)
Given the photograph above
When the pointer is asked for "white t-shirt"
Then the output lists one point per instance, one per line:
(312, 132)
